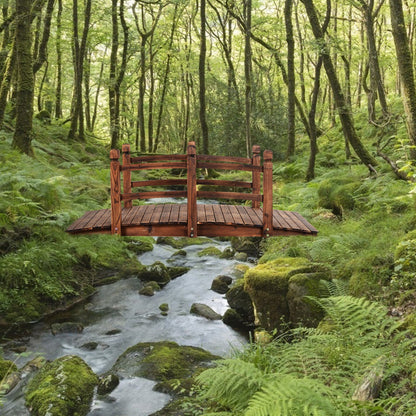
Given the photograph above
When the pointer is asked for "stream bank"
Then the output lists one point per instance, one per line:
(118, 317)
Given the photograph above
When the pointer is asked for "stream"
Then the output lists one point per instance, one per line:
(117, 317)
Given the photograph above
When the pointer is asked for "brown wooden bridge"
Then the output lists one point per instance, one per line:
(192, 219)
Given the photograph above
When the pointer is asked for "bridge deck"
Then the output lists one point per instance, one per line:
(212, 221)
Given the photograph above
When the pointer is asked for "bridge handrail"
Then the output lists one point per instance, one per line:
(191, 162)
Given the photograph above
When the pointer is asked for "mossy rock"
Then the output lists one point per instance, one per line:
(301, 310)
(164, 307)
(268, 284)
(6, 367)
(179, 253)
(233, 319)
(63, 387)
(156, 272)
(161, 361)
(176, 271)
(219, 286)
(239, 270)
(140, 246)
(228, 253)
(107, 384)
(181, 242)
(250, 246)
(210, 251)
(240, 301)
(130, 269)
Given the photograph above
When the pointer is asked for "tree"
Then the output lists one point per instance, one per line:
(404, 60)
(290, 79)
(247, 74)
(117, 74)
(344, 110)
(201, 72)
(22, 137)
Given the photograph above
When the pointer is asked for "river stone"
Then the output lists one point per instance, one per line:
(107, 383)
(233, 319)
(66, 327)
(63, 387)
(176, 271)
(161, 361)
(113, 331)
(90, 346)
(157, 272)
(228, 253)
(205, 311)
(248, 245)
(210, 251)
(164, 307)
(219, 286)
(240, 301)
(241, 256)
(147, 291)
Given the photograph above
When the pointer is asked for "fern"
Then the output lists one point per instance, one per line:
(232, 383)
(289, 396)
(316, 371)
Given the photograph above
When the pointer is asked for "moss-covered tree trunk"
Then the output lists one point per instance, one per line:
(291, 79)
(201, 72)
(344, 111)
(25, 80)
(404, 59)
(58, 89)
(6, 82)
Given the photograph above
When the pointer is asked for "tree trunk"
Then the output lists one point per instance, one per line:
(404, 60)
(41, 54)
(6, 82)
(247, 75)
(201, 72)
(58, 90)
(25, 80)
(291, 79)
(344, 110)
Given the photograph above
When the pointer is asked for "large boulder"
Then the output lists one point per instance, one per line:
(160, 273)
(221, 284)
(63, 387)
(248, 245)
(162, 361)
(268, 286)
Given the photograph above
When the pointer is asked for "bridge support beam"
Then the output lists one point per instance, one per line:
(191, 190)
(267, 193)
(115, 192)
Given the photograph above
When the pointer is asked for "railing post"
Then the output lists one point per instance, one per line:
(126, 174)
(191, 190)
(115, 192)
(267, 192)
(256, 161)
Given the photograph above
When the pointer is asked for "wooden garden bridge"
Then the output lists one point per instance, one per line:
(192, 218)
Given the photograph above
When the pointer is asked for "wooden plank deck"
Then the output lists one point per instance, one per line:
(212, 221)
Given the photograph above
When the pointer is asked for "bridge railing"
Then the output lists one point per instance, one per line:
(191, 162)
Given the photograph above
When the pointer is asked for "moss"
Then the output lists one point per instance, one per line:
(181, 242)
(228, 253)
(157, 272)
(210, 251)
(177, 271)
(274, 275)
(240, 269)
(140, 245)
(62, 387)
(6, 367)
(162, 361)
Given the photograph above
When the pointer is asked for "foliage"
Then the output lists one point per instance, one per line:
(316, 371)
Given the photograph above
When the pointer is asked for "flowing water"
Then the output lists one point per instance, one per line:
(117, 317)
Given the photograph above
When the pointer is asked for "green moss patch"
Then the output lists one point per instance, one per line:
(182, 242)
(162, 361)
(210, 251)
(6, 367)
(63, 387)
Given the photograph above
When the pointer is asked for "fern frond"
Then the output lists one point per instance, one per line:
(232, 383)
(289, 396)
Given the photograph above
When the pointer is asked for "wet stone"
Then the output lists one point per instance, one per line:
(205, 311)
(66, 328)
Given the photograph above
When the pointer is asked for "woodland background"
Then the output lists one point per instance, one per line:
(328, 86)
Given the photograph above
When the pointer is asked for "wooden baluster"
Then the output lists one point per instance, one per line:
(191, 190)
(267, 192)
(256, 161)
(126, 174)
(115, 192)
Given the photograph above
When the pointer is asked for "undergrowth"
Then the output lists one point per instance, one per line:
(319, 371)
(41, 267)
